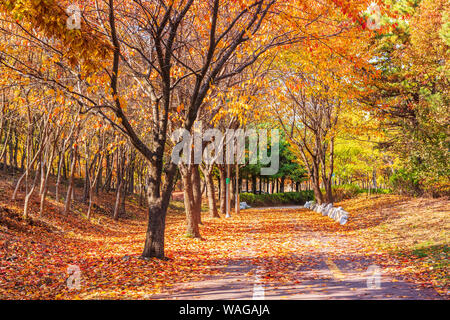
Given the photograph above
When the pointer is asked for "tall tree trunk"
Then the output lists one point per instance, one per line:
(197, 193)
(58, 175)
(374, 179)
(327, 176)
(87, 182)
(190, 199)
(119, 196)
(236, 195)
(260, 184)
(328, 191)
(211, 193)
(154, 237)
(158, 200)
(94, 185)
(68, 202)
(107, 186)
(223, 189)
(229, 187)
(44, 178)
(121, 184)
(64, 167)
(316, 187)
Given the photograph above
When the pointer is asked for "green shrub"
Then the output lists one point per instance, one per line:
(346, 191)
(261, 200)
(378, 191)
(406, 182)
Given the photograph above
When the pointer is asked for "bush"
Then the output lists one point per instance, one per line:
(378, 191)
(346, 191)
(413, 182)
(261, 200)
(406, 182)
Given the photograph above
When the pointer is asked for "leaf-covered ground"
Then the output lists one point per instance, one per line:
(406, 237)
(415, 232)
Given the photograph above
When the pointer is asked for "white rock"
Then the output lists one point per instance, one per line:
(327, 209)
(343, 220)
(335, 213)
(319, 208)
(308, 204)
(244, 205)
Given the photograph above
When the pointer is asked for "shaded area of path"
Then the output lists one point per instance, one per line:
(233, 283)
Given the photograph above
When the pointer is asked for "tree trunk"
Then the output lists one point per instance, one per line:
(58, 175)
(237, 205)
(316, 187)
(107, 186)
(87, 182)
(197, 193)
(119, 196)
(70, 188)
(328, 191)
(253, 183)
(192, 229)
(211, 193)
(154, 240)
(260, 185)
(228, 192)
(223, 186)
(44, 180)
(94, 185)
(64, 169)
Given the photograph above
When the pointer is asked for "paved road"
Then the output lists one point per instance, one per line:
(338, 270)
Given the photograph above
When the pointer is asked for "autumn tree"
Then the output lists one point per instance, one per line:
(411, 96)
(129, 61)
